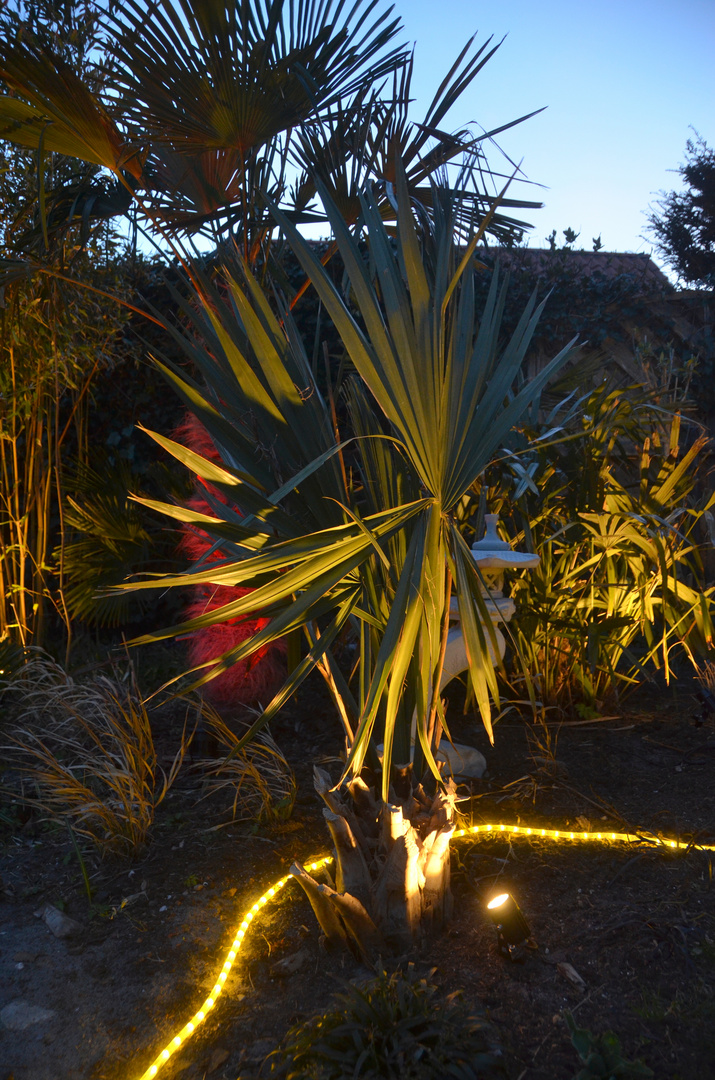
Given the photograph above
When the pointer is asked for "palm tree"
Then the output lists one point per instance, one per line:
(363, 533)
(196, 107)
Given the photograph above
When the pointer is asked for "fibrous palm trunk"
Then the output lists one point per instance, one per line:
(392, 876)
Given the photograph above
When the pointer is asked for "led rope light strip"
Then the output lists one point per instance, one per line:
(198, 1018)
(566, 834)
(520, 830)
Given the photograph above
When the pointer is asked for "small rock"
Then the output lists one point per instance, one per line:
(569, 972)
(460, 761)
(18, 1015)
(289, 964)
(24, 957)
(217, 1058)
(463, 762)
(60, 924)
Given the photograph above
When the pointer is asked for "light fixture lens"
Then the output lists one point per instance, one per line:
(498, 900)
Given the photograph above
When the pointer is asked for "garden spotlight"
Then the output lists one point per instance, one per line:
(512, 928)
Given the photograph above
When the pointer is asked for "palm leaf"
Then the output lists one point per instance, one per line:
(419, 354)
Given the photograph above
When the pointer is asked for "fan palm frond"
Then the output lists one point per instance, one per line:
(204, 75)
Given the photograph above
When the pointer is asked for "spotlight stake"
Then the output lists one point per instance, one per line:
(513, 931)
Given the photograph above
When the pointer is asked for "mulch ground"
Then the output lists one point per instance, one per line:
(624, 935)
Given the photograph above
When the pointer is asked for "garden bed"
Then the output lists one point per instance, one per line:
(636, 924)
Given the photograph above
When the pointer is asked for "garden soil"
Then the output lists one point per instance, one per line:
(624, 936)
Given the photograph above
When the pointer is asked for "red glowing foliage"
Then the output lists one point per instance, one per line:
(258, 676)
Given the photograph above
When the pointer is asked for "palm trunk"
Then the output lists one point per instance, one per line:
(392, 875)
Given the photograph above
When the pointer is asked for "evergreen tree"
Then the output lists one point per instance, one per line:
(684, 223)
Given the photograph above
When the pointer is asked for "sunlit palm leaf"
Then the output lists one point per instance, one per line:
(63, 115)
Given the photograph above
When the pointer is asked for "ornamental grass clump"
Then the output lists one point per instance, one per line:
(257, 778)
(84, 755)
(395, 1027)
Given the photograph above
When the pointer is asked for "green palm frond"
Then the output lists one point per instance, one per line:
(209, 104)
(357, 142)
(205, 75)
(379, 545)
(60, 113)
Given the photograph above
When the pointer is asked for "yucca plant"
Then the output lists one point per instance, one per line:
(324, 552)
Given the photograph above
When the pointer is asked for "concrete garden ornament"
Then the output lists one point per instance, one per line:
(493, 556)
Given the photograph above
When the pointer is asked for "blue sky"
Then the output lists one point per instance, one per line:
(623, 81)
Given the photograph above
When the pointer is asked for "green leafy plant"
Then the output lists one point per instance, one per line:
(50, 350)
(613, 515)
(384, 554)
(109, 537)
(393, 1028)
(682, 224)
(601, 1056)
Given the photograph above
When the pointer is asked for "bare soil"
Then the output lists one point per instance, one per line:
(636, 924)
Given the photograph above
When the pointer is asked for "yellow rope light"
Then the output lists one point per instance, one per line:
(198, 1018)
(519, 830)
(605, 837)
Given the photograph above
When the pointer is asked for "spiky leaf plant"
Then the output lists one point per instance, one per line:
(195, 111)
(435, 398)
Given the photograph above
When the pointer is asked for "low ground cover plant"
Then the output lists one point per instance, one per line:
(601, 1056)
(394, 1027)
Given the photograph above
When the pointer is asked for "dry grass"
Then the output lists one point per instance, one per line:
(86, 753)
(705, 674)
(258, 778)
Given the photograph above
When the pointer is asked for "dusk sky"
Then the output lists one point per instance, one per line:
(624, 80)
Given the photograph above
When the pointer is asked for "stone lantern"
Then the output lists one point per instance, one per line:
(493, 556)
